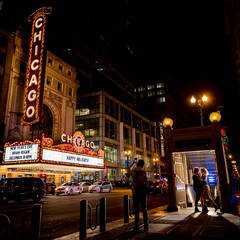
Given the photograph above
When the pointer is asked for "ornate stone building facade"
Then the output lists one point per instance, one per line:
(59, 100)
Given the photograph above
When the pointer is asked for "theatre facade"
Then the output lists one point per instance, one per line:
(73, 161)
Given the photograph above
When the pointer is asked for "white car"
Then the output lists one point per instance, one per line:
(69, 188)
(85, 186)
(104, 186)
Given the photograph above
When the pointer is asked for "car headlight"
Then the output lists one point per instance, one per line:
(67, 188)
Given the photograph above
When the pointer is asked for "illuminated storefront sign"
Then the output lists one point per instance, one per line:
(35, 70)
(43, 151)
(21, 153)
(78, 140)
(65, 158)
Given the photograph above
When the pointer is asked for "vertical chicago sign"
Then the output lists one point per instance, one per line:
(35, 71)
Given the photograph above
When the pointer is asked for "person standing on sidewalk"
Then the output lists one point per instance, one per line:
(206, 195)
(197, 186)
(139, 192)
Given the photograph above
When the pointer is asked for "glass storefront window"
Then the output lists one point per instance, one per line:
(111, 153)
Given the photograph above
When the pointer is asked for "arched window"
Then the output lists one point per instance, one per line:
(45, 126)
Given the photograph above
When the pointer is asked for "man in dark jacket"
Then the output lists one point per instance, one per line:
(197, 186)
(139, 191)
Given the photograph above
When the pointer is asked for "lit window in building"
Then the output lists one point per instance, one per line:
(161, 100)
(59, 86)
(140, 89)
(84, 111)
(160, 85)
(151, 93)
(160, 92)
(111, 152)
(149, 87)
(49, 81)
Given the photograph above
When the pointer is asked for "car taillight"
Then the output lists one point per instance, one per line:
(157, 186)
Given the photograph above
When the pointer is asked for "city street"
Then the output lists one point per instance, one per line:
(61, 214)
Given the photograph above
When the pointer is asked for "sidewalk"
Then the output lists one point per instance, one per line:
(184, 224)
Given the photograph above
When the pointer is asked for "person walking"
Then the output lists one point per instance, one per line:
(139, 192)
(197, 186)
(206, 195)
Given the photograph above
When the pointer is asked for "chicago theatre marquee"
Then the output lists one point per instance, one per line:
(48, 106)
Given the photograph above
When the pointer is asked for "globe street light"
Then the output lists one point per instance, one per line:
(200, 102)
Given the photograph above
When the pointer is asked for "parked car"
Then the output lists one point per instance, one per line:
(85, 186)
(69, 188)
(50, 188)
(21, 188)
(104, 186)
(160, 186)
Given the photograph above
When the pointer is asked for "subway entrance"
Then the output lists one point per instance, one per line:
(184, 163)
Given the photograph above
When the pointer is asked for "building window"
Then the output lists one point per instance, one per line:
(50, 61)
(110, 129)
(59, 86)
(140, 89)
(111, 153)
(69, 73)
(160, 85)
(138, 140)
(137, 122)
(151, 94)
(22, 67)
(82, 112)
(111, 108)
(160, 92)
(60, 67)
(90, 103)
(127, 136)
(70, 92)
(148, 146)
(149, 87)
(161, 100)
(89, 127)
(49, 81)
(125, 116)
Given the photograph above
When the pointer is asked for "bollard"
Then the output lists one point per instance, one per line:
(126, 208)
(83, 219)
(102, 214)
(36, 221)
(7, 223)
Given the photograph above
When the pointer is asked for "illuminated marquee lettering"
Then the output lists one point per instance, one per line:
(35, 72)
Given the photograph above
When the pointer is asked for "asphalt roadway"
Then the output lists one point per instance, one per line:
(61, 214)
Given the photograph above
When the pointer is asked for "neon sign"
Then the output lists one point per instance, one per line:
(34, 82)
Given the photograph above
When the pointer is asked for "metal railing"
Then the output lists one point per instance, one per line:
(87, 209)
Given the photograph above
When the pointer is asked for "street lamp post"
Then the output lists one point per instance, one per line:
(172, 202)
(200, 103)
(128, 154)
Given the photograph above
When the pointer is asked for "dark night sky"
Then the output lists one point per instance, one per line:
(144, 39)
